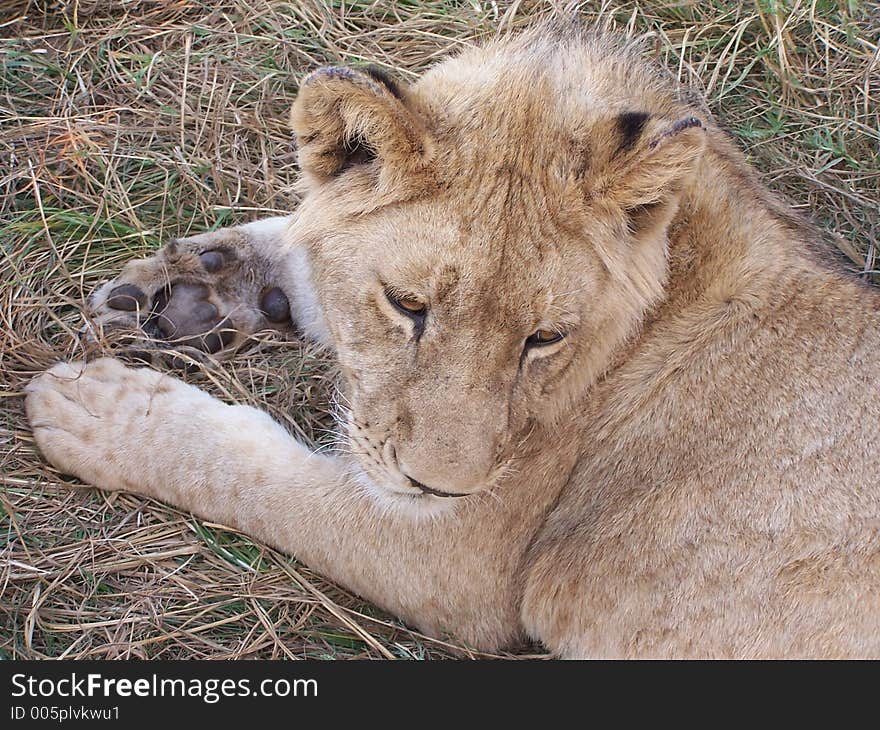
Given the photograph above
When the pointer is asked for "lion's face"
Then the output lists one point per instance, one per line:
(455, 337)
(473, 295)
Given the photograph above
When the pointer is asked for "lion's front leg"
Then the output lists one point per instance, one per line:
(138, 430)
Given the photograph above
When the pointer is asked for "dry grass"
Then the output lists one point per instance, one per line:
(124, 123)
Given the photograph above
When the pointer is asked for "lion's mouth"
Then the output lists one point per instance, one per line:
(435, 492)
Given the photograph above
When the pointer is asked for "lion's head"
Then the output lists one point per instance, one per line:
(483, 241)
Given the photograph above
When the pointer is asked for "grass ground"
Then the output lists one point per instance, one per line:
(125, 123)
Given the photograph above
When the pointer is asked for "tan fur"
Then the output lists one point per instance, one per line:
(689, 472)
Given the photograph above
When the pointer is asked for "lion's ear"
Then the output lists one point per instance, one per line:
(647, 160)
(344, 117)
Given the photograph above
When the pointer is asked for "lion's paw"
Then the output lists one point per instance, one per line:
(94, 420)
(200, 295)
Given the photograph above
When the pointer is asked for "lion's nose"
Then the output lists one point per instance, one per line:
(428, 490)
(444, 461)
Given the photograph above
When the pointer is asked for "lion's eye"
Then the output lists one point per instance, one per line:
(408, 305)
(540, 338)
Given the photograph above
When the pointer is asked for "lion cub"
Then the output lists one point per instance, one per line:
(604, 389)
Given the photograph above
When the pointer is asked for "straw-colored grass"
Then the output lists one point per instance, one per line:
(125, 123)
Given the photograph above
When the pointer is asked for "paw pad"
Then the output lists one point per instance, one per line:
(212, 261)
(127, 298)
(275, 305)
(198, 295)
(189, 317)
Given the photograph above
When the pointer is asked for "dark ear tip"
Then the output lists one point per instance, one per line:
(372, 77)
(384, 78)
(330, 72)
(685, 123)
(678, 127)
